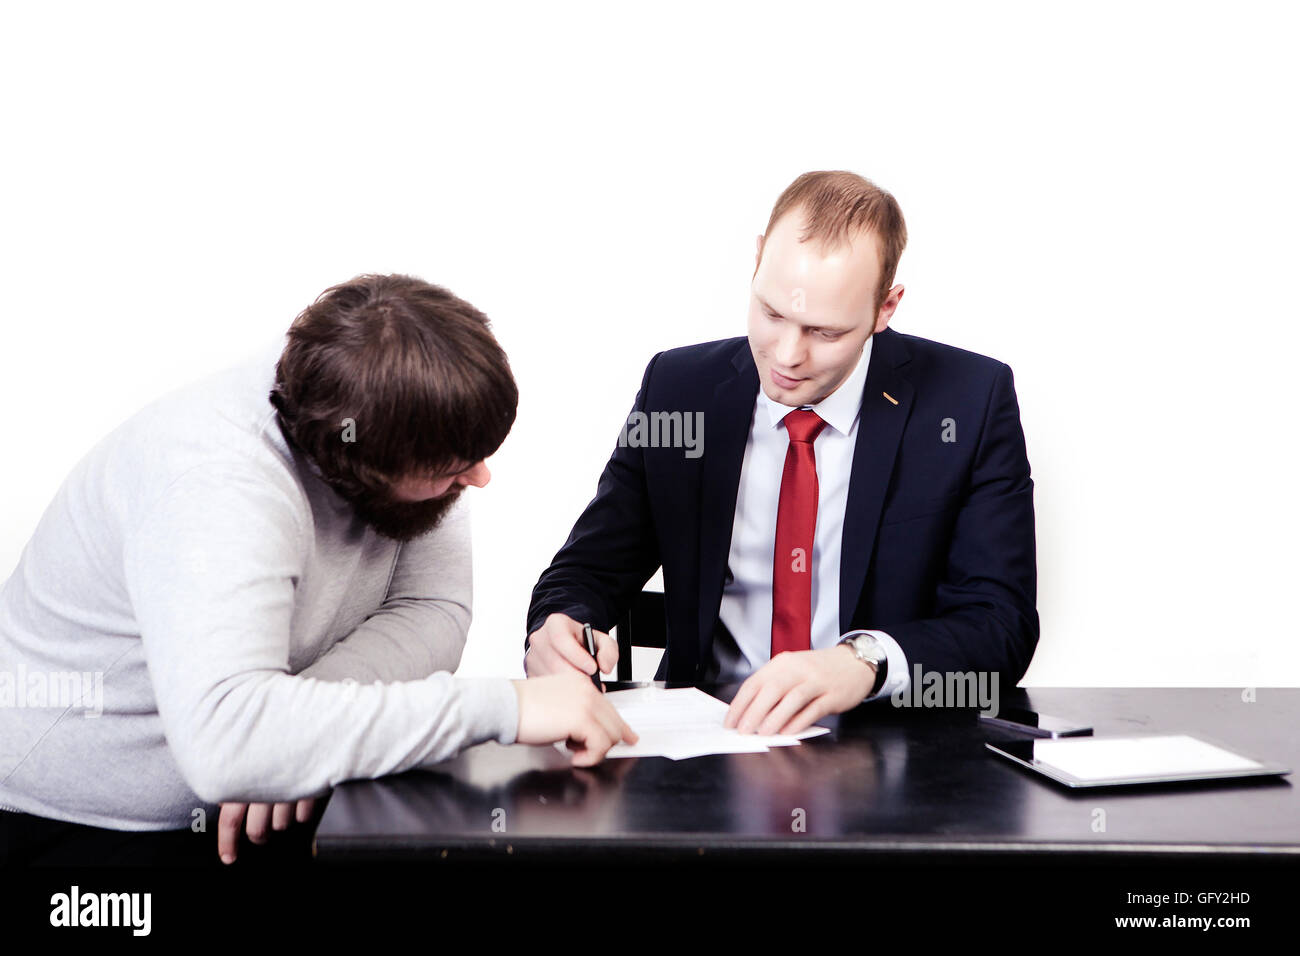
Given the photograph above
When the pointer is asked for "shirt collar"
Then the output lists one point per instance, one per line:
(840, 408)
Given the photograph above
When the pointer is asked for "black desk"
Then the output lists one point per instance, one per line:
(889, 783)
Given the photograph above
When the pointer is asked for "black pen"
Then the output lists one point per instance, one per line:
(590, 638)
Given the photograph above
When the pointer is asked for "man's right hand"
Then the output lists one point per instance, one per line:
(568, 707)
(557, 648)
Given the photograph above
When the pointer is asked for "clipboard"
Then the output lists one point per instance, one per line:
(1131, 759)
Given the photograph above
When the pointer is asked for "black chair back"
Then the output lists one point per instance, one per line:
(642, 626)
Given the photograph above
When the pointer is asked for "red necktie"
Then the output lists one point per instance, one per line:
(796, 522)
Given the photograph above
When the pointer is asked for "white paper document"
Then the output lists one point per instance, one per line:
(686, 722)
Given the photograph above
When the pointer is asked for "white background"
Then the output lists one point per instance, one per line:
(1101, 195)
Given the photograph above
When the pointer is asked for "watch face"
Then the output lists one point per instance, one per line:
(869, 647)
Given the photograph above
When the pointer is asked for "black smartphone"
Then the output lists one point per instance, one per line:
(1032, 722)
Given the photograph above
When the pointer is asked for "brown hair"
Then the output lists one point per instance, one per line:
(838, 204)
(414, 368)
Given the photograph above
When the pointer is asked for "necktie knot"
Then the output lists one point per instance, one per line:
(803, 425)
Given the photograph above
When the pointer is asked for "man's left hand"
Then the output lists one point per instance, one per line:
(277, 816)
(796, 689)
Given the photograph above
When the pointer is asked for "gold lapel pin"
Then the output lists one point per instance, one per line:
(890, 397)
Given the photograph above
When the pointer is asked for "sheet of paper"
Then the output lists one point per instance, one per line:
(686, 722)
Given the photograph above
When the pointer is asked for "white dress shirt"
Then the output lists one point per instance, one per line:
(746, 609)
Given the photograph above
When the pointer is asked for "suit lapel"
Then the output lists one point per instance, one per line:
(880, 429)
(727, 428)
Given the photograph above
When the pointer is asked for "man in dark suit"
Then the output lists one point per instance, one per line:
(837, 507)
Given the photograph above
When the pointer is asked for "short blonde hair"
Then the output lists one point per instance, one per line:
(837, 204)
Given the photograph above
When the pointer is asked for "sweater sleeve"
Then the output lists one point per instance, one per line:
(211, 570)
(422, 625)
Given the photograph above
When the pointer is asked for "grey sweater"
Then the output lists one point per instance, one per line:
(199, 619)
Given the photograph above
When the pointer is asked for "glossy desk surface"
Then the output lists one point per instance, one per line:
(888, 782)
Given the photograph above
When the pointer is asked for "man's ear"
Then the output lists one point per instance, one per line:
(887, 308)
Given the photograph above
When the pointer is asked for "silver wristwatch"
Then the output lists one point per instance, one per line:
(869, 651)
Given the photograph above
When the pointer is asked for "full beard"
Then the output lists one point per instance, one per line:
(403, 520)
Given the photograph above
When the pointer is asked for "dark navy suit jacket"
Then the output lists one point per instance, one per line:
(938, 541)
